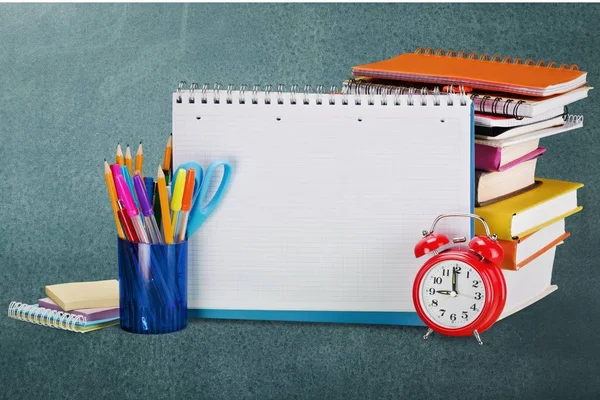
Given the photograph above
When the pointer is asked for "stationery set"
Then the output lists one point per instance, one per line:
(322, 194)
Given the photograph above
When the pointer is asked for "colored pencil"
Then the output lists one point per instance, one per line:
(167, 160)
(128, 160)
(139, 159)
(112, 193)
(119, 156)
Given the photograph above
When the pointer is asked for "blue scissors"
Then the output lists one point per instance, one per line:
(198, 214)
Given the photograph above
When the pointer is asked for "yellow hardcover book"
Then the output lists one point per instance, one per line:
(530, 211)
(76, 295)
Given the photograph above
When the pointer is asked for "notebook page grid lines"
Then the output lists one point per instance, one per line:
(304, 225)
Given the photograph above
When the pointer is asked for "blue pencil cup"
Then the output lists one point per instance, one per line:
(152, 287)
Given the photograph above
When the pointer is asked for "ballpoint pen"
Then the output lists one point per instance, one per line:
(177, 197)
(126, 197)
(115, 169)
(126, 222)
(129, 181)
(186, 203)
(112, 193)
(149, 183)
(161, 189)
(149, 220)
(156, 206)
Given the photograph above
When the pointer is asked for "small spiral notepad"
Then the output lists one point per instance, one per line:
(56, 319)
(329, 194)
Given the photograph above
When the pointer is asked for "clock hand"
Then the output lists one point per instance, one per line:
(446, 292)
(454, 280)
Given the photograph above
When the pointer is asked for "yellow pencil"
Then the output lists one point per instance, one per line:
(177, 198)
(112, 193)
(128, 160)
(139, 159)
(119, 157)
(167, 158)
(164, 206)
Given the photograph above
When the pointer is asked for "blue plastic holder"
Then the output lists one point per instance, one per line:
(152, 287)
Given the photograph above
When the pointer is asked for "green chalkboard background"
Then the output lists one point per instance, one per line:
(76, 79)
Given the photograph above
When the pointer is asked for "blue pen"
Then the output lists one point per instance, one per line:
(127, 176)
(149, 183)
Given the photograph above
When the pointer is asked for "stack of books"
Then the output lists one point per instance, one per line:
(517, 103)
(79, 306)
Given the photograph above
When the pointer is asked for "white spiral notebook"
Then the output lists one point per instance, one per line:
(330, 193)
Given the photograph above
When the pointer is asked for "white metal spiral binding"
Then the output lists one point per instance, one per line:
(45, 316)
(573, 119)
(495, 58)
(358, 87)
(356, 93)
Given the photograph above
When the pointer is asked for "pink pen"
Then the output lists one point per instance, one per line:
(116, 170)
(126, 197)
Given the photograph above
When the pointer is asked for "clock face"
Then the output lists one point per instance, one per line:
(452, 294)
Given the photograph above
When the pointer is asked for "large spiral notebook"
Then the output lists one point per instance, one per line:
(330, 192)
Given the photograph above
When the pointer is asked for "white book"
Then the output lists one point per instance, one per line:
(500, 121)
(573, 122)
(529, 284)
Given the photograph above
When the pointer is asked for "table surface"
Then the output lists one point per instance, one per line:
(76, 79)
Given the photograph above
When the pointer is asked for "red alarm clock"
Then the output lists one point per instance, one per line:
(459, 291)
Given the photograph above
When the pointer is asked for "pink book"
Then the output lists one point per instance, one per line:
(91, 314)
(489, 158)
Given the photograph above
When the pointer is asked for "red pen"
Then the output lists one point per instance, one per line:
(126, 223)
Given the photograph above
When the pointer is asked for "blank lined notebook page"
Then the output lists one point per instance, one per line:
(326, 201)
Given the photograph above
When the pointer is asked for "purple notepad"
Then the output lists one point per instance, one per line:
(91, 314)
(487, 158)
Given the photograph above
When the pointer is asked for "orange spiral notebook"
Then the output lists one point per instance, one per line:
(481, 72)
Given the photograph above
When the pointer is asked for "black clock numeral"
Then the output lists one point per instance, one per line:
(431, 291)
(434, 303)
(452, 317)
(442, 311)
(446, 272)
(473, 307)
(468, 272)
(476, 284)
(478, 296)
(465, 315)
(458, 269)
(437, 280)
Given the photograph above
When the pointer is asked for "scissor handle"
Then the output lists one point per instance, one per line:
(212, 204)
(199, 214)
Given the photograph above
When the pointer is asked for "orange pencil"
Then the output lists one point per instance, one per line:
(167, 159)
(139, 159)
(164, 206)
(128, 160)
(119, 157)
(112, 193)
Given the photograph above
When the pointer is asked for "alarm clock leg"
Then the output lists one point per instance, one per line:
(429, 332)
(476, 334)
